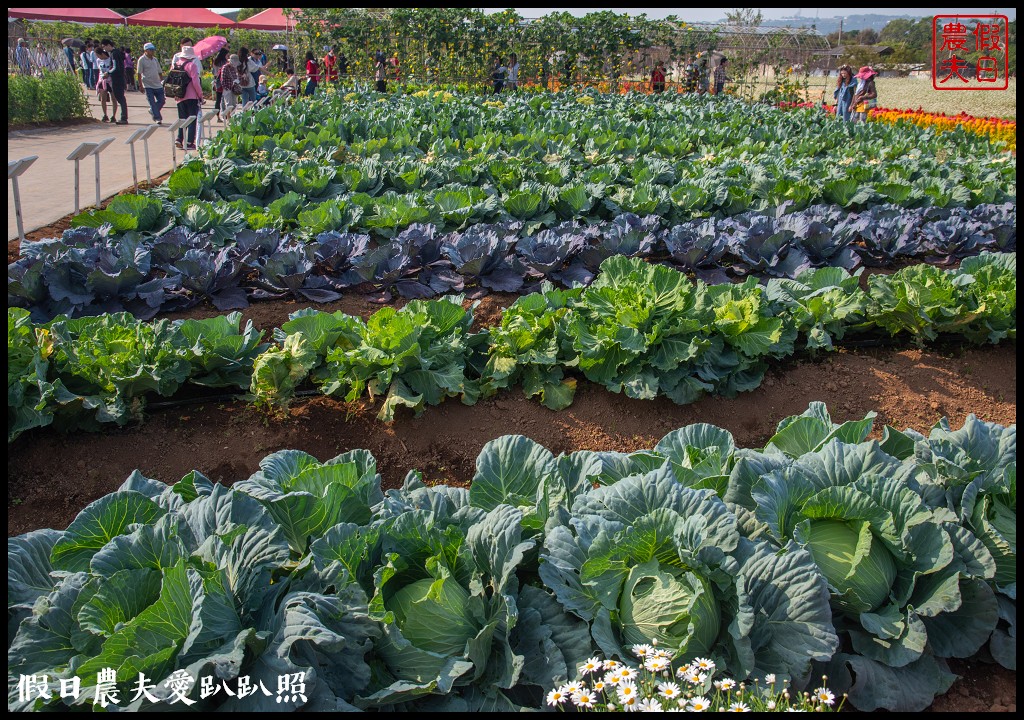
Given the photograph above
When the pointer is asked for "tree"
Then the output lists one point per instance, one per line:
(246, 13)
(867, 36)
(747, 17)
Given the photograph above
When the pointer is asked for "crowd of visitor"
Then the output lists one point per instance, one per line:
(241, 77)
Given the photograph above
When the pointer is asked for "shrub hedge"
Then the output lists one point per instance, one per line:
(52, 97)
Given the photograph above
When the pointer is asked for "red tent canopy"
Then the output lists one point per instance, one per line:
(79, 15)
(269, 19)
(180, 17)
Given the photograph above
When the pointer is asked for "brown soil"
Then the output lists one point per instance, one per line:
(271, 314)
(982, 687)
(53, 476)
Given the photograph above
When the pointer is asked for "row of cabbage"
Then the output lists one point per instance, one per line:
(149, 270)
(390, 195)
(572, 126)
(640, 329)
(382, 198)
(557, 140)
(380, 167)
(822, 552)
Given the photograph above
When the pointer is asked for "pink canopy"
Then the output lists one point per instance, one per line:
(269, 19)
(79, 15)
(180, 17)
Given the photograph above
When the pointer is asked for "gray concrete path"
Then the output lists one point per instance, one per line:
(47, 188)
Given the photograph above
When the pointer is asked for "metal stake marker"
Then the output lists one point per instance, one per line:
(78, 154)
(100, 147)
(145, 146)
(130, 142)
(179, 124)
(184, 132)
(207, 129)
(14, 171)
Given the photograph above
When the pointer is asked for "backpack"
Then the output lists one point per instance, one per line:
(177, 81)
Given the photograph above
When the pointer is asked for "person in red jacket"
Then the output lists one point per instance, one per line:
(312, 73)
(331, 66)
(658, 77)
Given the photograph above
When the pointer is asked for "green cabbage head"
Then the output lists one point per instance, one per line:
(854, 561)
(432, 615)
(674, 606)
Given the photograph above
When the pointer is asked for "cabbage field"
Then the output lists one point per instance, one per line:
(425, 400)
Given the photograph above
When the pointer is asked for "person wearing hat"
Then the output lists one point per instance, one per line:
(23, 57)
(187, 42)
(151, 81)
(865, 96)
(230, 85)
(192, 100)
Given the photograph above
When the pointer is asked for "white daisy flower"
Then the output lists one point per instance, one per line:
(739, 707)
(600, 686)
(692, 677)
(698, 704)
(683, 671)
(656, 664)
(669, 690)
(584, 698)
(627, 673)
(770, 705)
(793, 709)
(651, 705)
(629, 704)
(704, 663)
(556, 696)
(642, 651)
(770, 678)
(824, 695)
(590, 666)
(613, 678)
(572, 688)
(725, 684)
(611, 664)
(627, 690)
(662, 653)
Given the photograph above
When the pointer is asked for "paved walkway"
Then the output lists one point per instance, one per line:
(48, 187)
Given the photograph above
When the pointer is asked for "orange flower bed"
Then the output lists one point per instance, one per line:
(995, 128)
